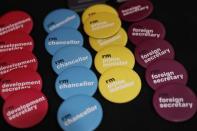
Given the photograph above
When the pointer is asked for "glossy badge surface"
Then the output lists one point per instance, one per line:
(175, 102)
(76, 81)
(165, 71)
(18, 80)
(102, 25)
(119, 39)
(150, 51)
(97, 8)
(61, 18)
(120, 84)
(112, 57)
(15, 21)
(71, 56)
(16, 41)
(135, 10)
(62, 38)
(145, 30)
(25, 109)
(17, 60)
(80, 113)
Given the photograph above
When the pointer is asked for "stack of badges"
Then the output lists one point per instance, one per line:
(76, 83)
(173, 100)
(118, 82)
(20, 84)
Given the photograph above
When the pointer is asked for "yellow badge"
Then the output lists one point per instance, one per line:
(114, 56)
(102, 25)
(98, 8)
(118, 39)
(120, 85)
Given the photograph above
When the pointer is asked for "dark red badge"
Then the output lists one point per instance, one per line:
(135, 10)
(175, 102)
(165, 71)
(145, 30)
(151, 50)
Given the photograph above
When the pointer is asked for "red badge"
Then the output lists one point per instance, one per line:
(14, 42)
(17, 60)
(20, 79)
(25, 109)
(15, 21)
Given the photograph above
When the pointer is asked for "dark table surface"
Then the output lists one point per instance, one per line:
(180, 20)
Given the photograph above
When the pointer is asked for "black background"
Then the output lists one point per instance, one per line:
(180, 20)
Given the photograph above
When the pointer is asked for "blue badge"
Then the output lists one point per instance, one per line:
(71, 56)
(80, 113)
(61, 38)
(76, 81)
(61, 18)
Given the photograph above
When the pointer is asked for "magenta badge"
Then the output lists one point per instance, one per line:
(135, 10)
(175, 103)
(165, 71)
(145, 30)
(152, 50)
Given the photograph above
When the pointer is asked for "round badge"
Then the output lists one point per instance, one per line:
(152, 50)
(98, 8)
(76, 81)
(77, 112)
(17, 60)
(15, 42)
(71, 56)
(175, 103)
(18, 80)
(120, 85)
(119, 39)
(57, 39)
(165, 71)
(61, 18)
(15, 21)
(146, 30)
(25, 109)
(102, 25)
(112, 57)
(135, 10)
